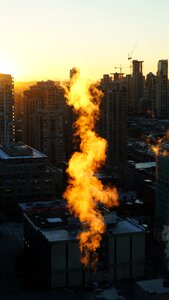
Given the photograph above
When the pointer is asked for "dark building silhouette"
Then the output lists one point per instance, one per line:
(162, 190)
(151, 92)
(161, 106)
(25, 175)
(137, 85)
(128, 80)
(113, 122)
(7, 128)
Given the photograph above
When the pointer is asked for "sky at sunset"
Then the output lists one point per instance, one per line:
(43, 39)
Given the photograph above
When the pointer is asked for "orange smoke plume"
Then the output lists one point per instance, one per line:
(85, 191)
(160, 145)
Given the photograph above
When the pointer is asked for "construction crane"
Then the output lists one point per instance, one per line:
(130, 56)
(119, 75)
(121, 68)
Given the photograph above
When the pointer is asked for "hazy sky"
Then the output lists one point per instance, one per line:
(43, 39)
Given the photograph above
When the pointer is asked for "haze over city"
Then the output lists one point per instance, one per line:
(44, 39)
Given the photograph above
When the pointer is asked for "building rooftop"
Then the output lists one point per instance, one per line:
(122, 227)
(58, 225)
(14, 151)
(154, 286)
(5, 75)
(42, 205)
(145, 165)
(125, 226)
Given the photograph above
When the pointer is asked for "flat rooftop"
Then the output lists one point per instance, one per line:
(14, 151)
(58, 226)
(145, 165)
(2, 75)
(42, 205)
(122, 227)
(153, 286)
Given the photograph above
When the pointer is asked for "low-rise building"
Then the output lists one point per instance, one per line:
(52, 245)
(25, 175)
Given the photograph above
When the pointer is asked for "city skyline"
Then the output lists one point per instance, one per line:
(84, 164)
(43, 40)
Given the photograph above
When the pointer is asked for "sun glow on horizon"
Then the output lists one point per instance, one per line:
(9, 67)
(45, 44)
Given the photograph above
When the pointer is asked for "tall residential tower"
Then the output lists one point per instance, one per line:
(45, 120)
(137, 85)
(7, 129)
(113, 122)
(161, 100)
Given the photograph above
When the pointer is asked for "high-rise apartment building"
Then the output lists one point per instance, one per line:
(128, 80)
(46, 119)
(161, 110)
(7, 129)
(113, 122)
(137, 86)
(151, 92)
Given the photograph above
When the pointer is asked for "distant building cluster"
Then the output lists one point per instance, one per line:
(146, 95)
